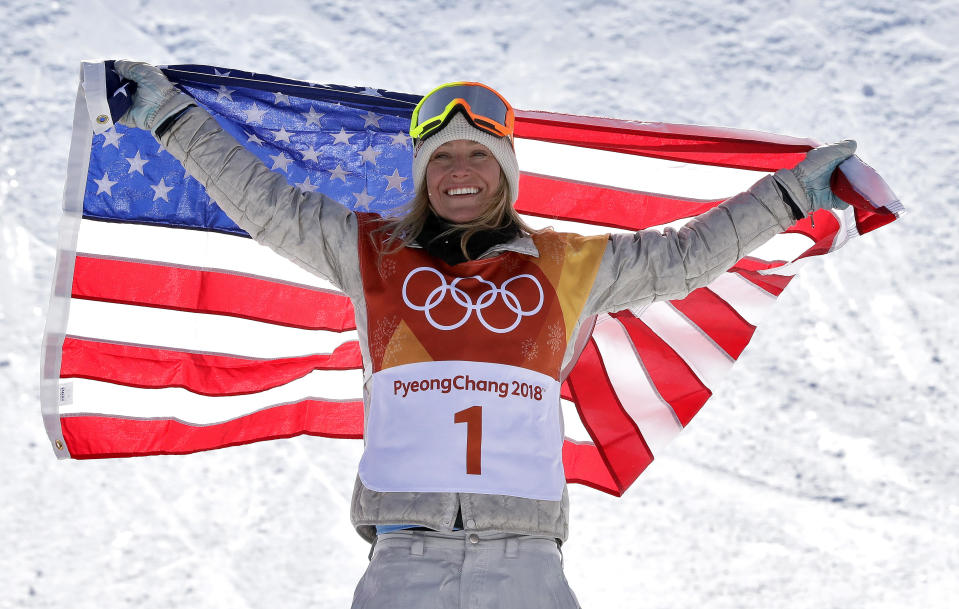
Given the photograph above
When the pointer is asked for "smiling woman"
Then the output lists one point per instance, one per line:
(462, 177)
(466, 181)
(461, 486)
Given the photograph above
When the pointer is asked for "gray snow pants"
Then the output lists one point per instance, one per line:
(463, 570)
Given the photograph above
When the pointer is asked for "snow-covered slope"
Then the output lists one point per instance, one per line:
(823, 474)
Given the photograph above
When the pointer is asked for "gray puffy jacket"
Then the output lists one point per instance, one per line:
(320, 235)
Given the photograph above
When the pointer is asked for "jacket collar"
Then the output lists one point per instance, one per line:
(483, 244)
(521, 245)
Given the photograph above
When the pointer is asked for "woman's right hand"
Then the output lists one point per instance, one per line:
(155, 99)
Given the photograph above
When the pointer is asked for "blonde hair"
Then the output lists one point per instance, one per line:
(402, 229)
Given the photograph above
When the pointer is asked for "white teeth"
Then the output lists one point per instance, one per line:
(462, 191)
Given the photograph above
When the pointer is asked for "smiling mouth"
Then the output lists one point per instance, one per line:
(469, 190)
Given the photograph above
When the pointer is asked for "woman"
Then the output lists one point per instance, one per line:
(467, 320)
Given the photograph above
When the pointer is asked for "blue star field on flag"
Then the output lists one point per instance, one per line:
(348, 143)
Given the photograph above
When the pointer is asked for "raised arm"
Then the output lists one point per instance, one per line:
(648, 265)
(310, 229)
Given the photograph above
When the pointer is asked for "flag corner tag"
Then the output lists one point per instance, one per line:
(65, 394)
(93, 78)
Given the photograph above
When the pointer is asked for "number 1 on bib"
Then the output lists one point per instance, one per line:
(473, 417)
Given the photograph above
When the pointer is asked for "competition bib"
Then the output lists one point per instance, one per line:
(459, 426)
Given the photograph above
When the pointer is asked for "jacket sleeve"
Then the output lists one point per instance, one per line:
(310, 229)
(649, 265)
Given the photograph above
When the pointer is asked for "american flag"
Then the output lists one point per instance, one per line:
(170, 331)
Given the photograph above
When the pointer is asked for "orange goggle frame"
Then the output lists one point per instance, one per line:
(483, 107)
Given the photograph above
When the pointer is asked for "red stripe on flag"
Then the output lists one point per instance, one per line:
(617, 438)
(551, 197)
(96, 437)
(733, 148)
(867, 221)
(199, 291)
(774, 284)
(213, 375)
(671, 375)
(717, 319)
(822, 227)
(584, 465)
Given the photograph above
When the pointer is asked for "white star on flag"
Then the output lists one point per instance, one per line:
(160, 190)
(282, 135)
(395, 180)
(219, 73)
(254, 114)
(281, 98)
(369, 155)
(306, 185)
(312, 117)
(399, 139)
(362, 199)
(112, 138)
(105, 184)
(137, 163)
(281, 161)
(372, 91)
(252, 137)
(338, 173)
(311, 155)
(342, 137)
(223, 92)
(372, 119)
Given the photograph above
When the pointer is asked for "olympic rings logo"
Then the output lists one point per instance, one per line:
(460, 297)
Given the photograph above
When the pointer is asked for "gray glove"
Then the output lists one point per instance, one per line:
(807, 184)
(155, 100)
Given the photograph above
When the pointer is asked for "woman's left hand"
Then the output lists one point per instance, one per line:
(808, 182)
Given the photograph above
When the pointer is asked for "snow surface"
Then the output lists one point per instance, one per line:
(823, 474)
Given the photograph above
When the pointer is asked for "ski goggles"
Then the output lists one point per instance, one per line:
(483, 107)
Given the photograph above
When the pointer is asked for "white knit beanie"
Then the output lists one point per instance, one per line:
(460, 129)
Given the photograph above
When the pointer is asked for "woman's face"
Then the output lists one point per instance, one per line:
(462, 176)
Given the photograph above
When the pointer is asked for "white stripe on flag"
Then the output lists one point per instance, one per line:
(97, 397)
(636, 392)
(707, 359)
(222, 334)
(193, 248)
(572, 425)
(686, 180)
(749, 300)
(847, 226)
(784, 246)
